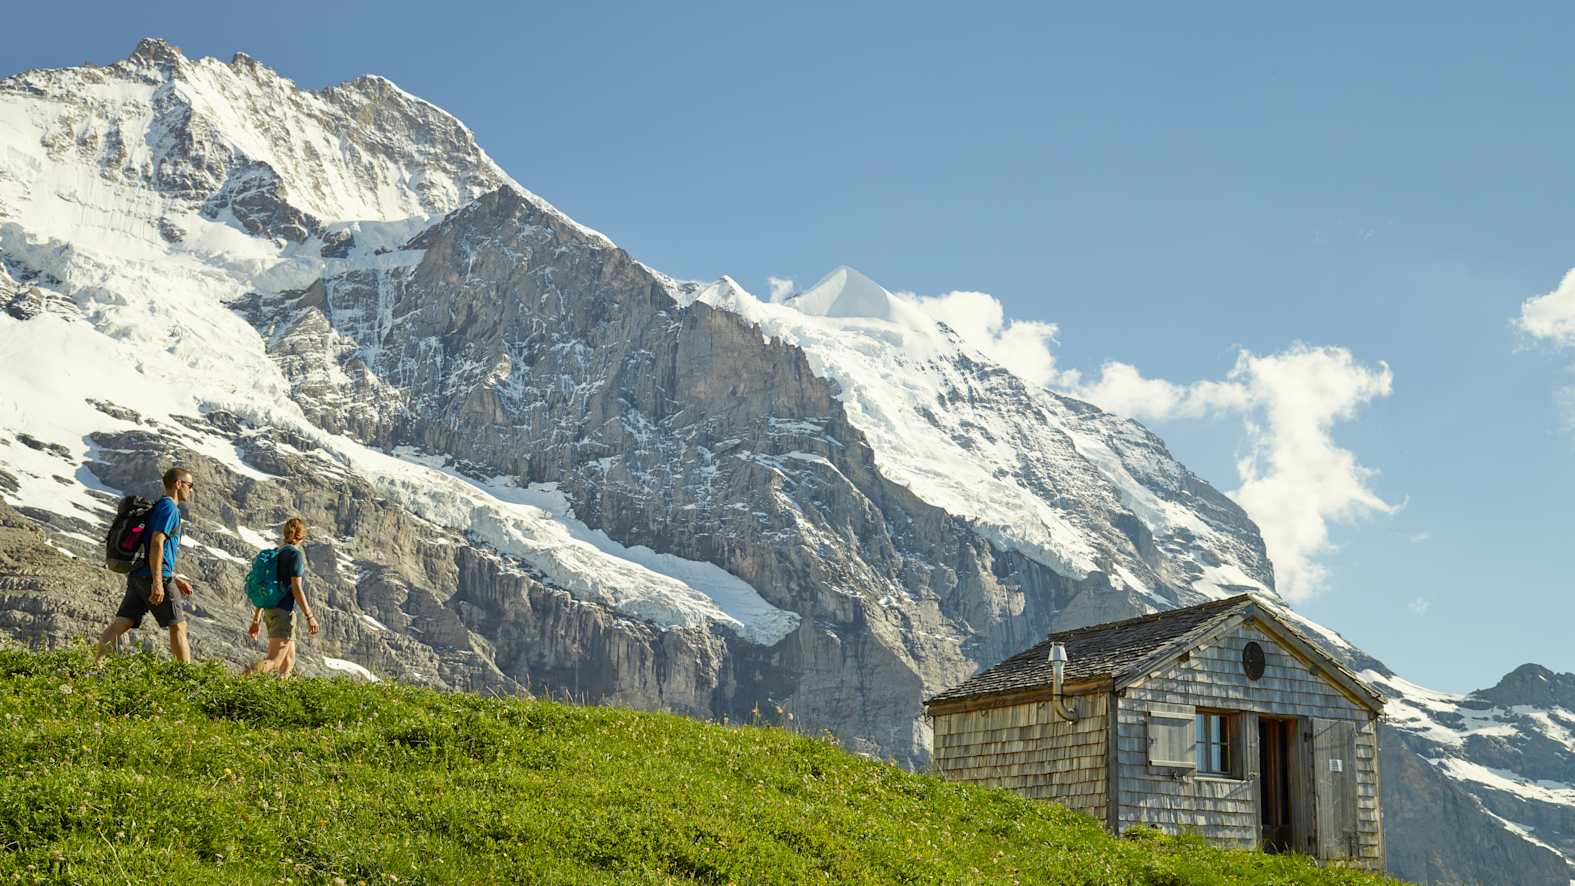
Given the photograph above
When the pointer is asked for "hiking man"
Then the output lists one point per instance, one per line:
(146, 594)
(290, 566)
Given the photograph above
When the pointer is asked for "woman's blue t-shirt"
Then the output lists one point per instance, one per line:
(290, 562)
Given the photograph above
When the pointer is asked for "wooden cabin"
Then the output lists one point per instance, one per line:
(1218, 719)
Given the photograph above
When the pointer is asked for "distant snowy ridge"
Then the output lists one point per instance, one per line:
(1036, 472)
(1513, 746)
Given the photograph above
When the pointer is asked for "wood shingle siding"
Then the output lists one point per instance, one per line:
(1369, 819)
(1023, 748)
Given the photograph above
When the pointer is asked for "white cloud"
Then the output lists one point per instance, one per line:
(781, 288)
(1551, 316)
(1420, 605)
(1295, 480)
(1419, 537)
(1023, 346)
(1564, 399)
(1122, 389)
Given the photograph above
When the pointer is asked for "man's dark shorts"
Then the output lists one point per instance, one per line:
(135, 604)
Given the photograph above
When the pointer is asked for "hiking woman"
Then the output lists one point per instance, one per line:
(290, 564)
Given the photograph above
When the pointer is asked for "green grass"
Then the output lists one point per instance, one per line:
(149, 771)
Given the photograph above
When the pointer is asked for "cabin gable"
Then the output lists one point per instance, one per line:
(1323, 725)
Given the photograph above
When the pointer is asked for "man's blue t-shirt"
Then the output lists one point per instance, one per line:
(165, 518)
(289, 563)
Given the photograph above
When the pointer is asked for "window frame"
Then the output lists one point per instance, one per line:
(1228, 743)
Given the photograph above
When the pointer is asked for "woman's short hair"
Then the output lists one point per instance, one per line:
(294, 530)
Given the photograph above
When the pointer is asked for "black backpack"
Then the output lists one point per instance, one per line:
(126, 544)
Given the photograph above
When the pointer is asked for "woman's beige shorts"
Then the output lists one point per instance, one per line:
(280, 622)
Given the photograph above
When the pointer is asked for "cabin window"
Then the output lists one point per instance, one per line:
(1215, 732)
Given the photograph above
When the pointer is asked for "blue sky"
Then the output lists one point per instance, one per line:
(1168, 187)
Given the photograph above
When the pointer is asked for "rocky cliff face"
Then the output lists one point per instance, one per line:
(399, 596)
(1434, 834)
(531, 462)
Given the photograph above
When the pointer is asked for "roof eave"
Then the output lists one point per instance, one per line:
(1025, 695)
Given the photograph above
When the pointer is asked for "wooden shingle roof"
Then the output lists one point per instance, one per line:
(1099, 651)
(1123, 651)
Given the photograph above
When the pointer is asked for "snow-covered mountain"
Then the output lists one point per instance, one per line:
(1075, 488)
(146, 200)
(532, 462)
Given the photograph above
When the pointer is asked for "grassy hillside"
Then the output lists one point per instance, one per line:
(147, 771)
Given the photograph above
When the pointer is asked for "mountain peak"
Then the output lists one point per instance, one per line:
(723, 292)
(845, 292)
(376, 83)
(158, 52)
(1533, 684)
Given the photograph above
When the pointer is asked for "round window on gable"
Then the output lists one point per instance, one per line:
(1252, 660)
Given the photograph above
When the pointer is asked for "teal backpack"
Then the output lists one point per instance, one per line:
(262, 581)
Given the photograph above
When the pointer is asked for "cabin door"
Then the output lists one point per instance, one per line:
(1276, 753)
(1334, 787)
